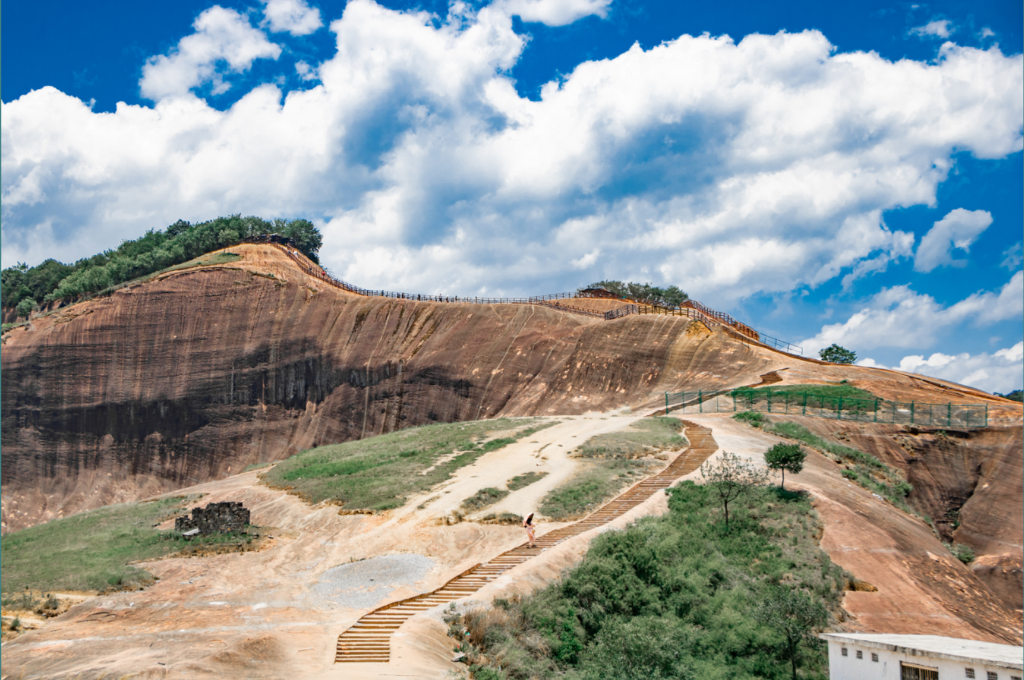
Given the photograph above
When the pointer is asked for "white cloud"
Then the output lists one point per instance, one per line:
(222, 35)
(305, 71)
(901, 246)
(899, 317)
(986, 33)
(958, 229)
(939, 28)
(1013, 256)
(728, 168)
(556, 12)
(293, 16)
(1002, 371)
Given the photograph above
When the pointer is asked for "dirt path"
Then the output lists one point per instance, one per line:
(369, 640)
(261, 614)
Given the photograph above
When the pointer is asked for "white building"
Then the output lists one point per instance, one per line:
(855, 656)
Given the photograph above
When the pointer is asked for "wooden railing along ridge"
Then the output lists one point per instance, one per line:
(689, 308)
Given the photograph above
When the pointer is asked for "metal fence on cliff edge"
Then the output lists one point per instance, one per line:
(837, 408)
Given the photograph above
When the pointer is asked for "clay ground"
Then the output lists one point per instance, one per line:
(278, 612)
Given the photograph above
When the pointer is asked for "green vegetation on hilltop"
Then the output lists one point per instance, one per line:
(25, 288)
(93, 550)
(837, 355)
(616, 459)
(677, 596)
(670, 296)
(381, 472)
(861, 467)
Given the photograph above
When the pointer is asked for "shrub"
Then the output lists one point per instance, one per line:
(752, 418)
(962, 552)
(837, 355)
(483, 498)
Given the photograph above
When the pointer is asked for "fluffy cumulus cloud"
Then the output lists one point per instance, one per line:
(940, 28)
(1000, 371)
(292, 16)
(734, 168)
(223, 36)
(957, 230)
(555, 12)
(899, 317)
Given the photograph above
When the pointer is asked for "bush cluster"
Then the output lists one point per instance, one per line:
(24, 288)
(678, 596)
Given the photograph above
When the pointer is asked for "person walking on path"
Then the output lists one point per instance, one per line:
(530, 530)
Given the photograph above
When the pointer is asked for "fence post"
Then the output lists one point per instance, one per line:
(769, 400)
(986, 415)
(666, 403)
(805, 404)
(876, 410)
(894, 413)
(949, 413)
(839, 411)
(911, 413)
(700, 400)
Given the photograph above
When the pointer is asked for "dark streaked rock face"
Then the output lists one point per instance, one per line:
(199, 373)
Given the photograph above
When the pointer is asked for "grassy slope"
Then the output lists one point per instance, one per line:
(617, 459)
(861, 467)
(381, 472)
(669, 597)
(91, 550)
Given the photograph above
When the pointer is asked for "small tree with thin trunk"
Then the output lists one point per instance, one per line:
(794, 616)
(837, 355)
(785, 458)
(732, 477)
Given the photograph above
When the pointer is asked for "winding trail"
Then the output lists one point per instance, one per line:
(369, 639)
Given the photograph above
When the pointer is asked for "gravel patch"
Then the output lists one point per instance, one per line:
(365, 584)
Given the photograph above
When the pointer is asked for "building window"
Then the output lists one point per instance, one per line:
(993, 676)
(846, 652)
(969, 672)
(860, 654)
(874, 657)
(909, 671)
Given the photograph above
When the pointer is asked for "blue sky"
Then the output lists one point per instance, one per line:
(827, 174)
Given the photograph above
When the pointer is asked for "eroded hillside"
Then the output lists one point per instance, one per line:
(197, 373)
(201, 372)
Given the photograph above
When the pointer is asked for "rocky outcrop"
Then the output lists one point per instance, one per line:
(198, 373)
(215, 518)
(968, 482)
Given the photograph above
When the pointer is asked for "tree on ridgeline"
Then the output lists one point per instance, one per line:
(837, 355)
(785, 458)
(24, 288)
(670, 296)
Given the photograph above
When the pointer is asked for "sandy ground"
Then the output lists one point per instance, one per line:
(253, 614)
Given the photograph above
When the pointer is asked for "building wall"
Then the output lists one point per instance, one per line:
(888, 665)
